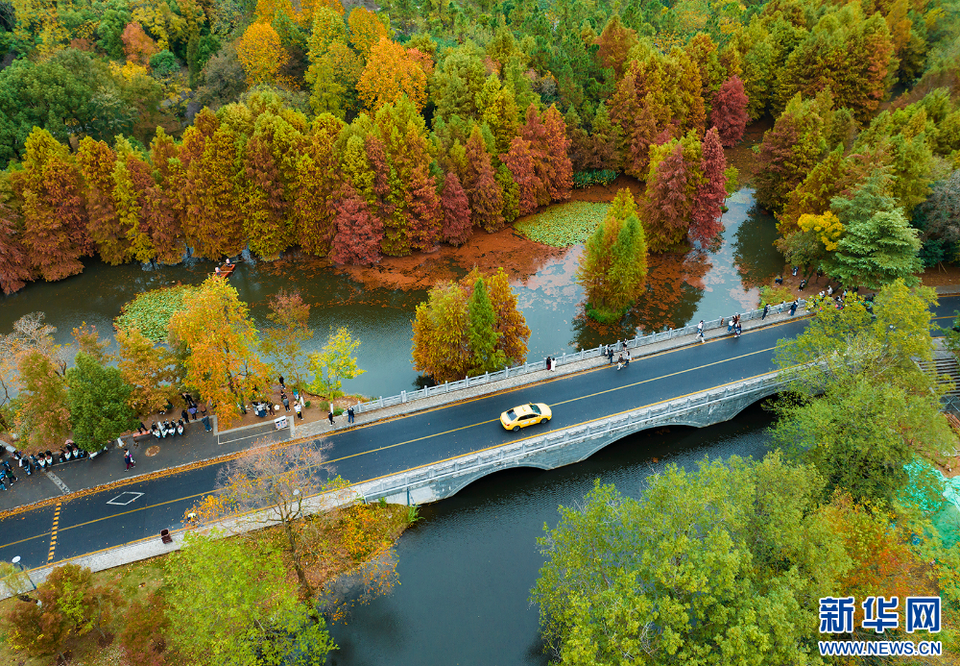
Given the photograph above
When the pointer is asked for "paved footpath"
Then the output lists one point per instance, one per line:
(152, 455)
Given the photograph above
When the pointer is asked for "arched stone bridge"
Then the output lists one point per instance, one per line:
(556, 449)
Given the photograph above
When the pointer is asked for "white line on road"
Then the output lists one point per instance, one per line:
(128, 497)
(221, 442)
(60, 484)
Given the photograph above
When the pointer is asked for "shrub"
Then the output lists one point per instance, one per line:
(775, 295)
(590, 177)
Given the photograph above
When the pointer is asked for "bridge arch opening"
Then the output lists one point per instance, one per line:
(660, 439)
(486, 483)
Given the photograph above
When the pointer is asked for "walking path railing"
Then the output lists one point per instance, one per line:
(596, 352)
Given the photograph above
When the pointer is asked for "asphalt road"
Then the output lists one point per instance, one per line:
(113, 517)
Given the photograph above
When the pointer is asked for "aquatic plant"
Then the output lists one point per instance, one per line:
(563, 225)
(150, 311)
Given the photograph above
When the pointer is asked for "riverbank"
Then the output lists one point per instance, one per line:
(346, 556)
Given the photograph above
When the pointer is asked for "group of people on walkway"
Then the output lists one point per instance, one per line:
(733, 325)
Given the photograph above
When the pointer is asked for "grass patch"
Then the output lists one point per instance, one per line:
(563, 225)
(151, 311)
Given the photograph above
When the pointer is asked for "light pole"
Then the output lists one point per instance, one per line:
(16, 563)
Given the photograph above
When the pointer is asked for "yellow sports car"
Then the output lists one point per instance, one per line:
(524, 415)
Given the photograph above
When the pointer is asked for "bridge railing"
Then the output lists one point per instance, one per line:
(614, 426)
(526, 368)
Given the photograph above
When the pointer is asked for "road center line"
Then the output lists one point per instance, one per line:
(53, 534)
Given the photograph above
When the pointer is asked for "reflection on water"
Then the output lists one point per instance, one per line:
(467, 568)
(680, 289)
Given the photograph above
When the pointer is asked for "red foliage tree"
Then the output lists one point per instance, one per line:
(480, 184)
(15, 269)
(614, 45)
(558, 158)
(456, 211)
(164, 202)
(96, 161)
(667, 207)
(520, 162)
(358, 233)
(396, 237)
(423, 210)
(777, 176)
(144, 626)
(54, 214)
(266, 222)
(729, 113)
(137, 45)
(535, 133)
(711, 193)
(158, 217)
(602, 146)
(637, 122)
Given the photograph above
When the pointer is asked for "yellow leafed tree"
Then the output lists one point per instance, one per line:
(223, 349)
(261, 53)
(365, 30)
(827, 227)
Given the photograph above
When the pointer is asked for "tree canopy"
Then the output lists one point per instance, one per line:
(457, 334)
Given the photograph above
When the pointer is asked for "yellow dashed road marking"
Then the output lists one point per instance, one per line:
(53, 533)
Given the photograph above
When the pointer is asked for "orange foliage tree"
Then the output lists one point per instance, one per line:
(441, 332)
(879, 547)
(366, 30)
(391, 72)
(137, 45)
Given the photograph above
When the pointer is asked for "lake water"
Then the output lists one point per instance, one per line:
(680, 289)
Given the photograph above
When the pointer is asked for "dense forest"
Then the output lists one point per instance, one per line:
(354, 134)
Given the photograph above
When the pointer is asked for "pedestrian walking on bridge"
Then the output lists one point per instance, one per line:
(700, 331)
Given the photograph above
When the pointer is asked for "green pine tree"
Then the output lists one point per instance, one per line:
(879, 244)
(480, 328)
(614, 263)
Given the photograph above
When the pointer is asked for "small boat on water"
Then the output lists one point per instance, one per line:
(225, 270)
